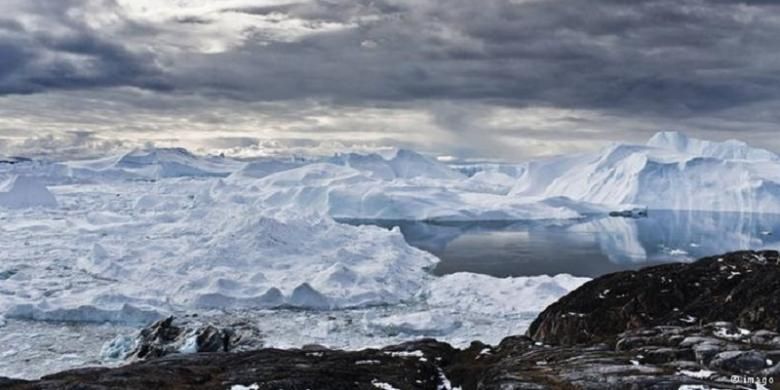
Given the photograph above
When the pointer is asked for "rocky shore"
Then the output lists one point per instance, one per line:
(713, 323)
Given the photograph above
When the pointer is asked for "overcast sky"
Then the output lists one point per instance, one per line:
(508, 79)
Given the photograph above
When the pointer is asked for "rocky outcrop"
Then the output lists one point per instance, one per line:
(742, 287)
(165, 337)
(678, 326)
(184, 335)
(402, 367)
(664, 357)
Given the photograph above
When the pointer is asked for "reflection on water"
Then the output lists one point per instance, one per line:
(587, 247)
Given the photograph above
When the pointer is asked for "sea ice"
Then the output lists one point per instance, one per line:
(202, 254)
(131, 237)
(25, 192)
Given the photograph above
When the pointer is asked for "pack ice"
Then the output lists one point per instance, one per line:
(148, 232)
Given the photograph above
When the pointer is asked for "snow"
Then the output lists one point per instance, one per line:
(24, 192)
(253, 386)
(445, 382)
(382, 385)
(701, 374)
(406, 354)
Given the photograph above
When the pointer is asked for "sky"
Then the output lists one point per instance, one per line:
(492, 79)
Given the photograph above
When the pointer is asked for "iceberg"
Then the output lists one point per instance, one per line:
(405, 164)
(344, 192)
(24, 192)
(163, 230)
(728, 150)
(671, 172)
(201, 254)
(151, 164)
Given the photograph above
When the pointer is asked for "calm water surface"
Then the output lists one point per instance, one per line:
(589, 246)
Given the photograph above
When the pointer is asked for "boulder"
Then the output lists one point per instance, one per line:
(166, 337)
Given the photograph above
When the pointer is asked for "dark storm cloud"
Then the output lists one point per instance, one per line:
(73, 57)
(670, 57)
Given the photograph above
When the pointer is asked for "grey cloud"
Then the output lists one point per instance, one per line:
(71, 144)
(674, 58)
(654, 56)
(643, 64)
(75, 57)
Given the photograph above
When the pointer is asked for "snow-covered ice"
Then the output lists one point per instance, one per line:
(129, 238)
(132, 261)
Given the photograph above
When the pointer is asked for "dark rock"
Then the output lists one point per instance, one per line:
(742, 287)
(739, 361)
(633, 213)
(165, 337)
(8, 382)
(268, 368)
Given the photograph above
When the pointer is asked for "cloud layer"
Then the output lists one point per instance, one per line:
(573, 74)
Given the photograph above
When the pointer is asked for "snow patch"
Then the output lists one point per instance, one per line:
(701, 374)
(253, 386)
(382, 385)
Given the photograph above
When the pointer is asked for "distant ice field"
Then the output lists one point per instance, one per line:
(108, 245)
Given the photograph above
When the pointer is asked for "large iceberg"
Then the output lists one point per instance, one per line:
(670, 172)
